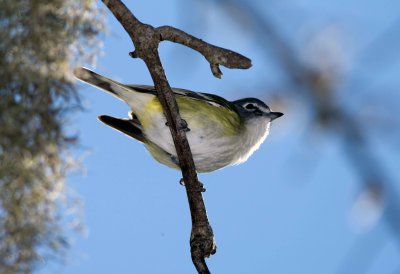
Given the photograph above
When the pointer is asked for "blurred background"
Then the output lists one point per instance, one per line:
(321, 195)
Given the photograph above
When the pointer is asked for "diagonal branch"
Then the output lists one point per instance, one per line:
(146, 40)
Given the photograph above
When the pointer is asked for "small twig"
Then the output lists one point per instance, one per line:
(146, 40)
(215, 55)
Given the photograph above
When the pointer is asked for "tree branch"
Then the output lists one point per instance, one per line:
(215, 55)
(146, 40)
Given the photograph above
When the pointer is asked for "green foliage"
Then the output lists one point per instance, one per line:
(39, 45)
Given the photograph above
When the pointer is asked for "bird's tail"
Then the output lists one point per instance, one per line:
(115, 88)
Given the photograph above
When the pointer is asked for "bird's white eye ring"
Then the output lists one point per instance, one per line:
(250, 106)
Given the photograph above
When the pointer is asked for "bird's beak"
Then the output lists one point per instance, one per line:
(274, 115)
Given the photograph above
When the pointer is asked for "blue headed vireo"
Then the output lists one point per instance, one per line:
(220, 133)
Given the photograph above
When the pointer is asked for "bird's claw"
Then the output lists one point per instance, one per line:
(199, 187)
(183, 125)
(175, 160)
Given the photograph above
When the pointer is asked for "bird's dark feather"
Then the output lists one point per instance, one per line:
(124, 125)
(210, 98)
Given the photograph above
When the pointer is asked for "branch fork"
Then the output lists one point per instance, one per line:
(146, 40)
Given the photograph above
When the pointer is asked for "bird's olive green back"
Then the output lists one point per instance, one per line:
(199, 114)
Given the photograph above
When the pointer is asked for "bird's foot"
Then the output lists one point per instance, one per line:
(199, 187)
(183, 125)
(174, 159)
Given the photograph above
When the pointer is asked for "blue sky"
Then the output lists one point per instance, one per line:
(286, 210)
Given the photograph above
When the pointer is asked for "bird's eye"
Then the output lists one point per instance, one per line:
(250, 106)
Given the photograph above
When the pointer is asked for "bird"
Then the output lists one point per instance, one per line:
(220, 132)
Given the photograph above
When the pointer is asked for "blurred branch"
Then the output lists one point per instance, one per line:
(269, 35)
(387, 39)
(146, 40)
(362, 253)
(318, 90)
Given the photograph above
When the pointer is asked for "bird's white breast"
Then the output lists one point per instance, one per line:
(212, 150)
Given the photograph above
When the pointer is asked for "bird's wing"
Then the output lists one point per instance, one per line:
(212, 105)
(129, 127)
(119, 89)
(211, 99)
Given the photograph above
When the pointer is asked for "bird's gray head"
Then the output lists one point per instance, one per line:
(254, 108)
